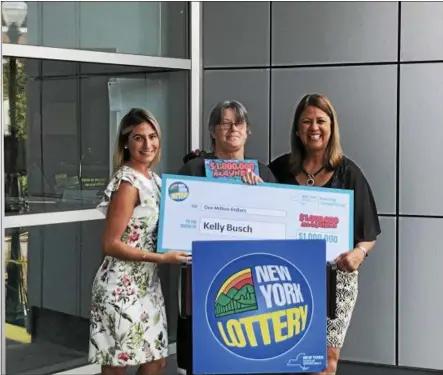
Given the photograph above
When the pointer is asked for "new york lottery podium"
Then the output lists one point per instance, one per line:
(254, 306)
(186, 301)
(186, 290)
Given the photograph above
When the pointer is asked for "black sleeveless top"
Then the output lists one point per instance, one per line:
(346, 176)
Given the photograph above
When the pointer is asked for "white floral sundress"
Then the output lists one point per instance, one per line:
(128, 318)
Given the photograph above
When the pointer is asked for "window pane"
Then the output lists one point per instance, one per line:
(156, 28)
(60, 124)
(49, 275)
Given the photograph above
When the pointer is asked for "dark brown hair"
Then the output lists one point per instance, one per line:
(334, 153)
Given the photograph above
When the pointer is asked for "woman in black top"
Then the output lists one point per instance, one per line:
(316, 159)
(229, 128)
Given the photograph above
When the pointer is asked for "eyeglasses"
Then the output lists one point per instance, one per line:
(228, 125)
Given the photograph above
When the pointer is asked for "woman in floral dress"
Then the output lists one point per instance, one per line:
(128, 318)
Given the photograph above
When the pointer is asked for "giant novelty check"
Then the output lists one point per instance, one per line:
(200, 209)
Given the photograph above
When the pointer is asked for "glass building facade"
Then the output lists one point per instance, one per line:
(70, 71)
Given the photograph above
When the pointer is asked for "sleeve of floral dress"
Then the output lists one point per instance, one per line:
(114, 184)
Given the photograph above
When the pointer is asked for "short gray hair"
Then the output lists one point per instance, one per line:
(216, 116)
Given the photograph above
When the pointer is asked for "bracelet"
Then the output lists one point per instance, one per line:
(362, 249)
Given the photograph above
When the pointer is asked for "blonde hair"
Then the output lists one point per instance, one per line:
(334, 153)
(134, 117)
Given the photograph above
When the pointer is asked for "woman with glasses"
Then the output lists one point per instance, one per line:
(229, 128)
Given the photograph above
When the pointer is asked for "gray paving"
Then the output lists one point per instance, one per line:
(46, 359)
(28, 358)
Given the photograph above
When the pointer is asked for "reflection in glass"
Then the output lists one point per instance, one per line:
(154, 28)
(14, 112)
(16, 255)
(48, 290)
(13, 19)
(60, 124)
(61, 120)
(48, 295)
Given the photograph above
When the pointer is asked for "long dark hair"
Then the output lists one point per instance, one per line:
(334, 153)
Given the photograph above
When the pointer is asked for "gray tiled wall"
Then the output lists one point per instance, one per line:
(333, 32)
(381, 63)
(421, 129)
(232, 37)
(420, 291)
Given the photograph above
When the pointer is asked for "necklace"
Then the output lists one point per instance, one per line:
(311, 176)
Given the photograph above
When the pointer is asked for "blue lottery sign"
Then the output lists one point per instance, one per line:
(259, 306)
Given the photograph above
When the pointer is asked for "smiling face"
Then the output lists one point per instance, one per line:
(230, 134)
(143, 143)
(314, 129)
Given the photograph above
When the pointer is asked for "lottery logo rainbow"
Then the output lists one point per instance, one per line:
(259, 306)
(236, 295)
